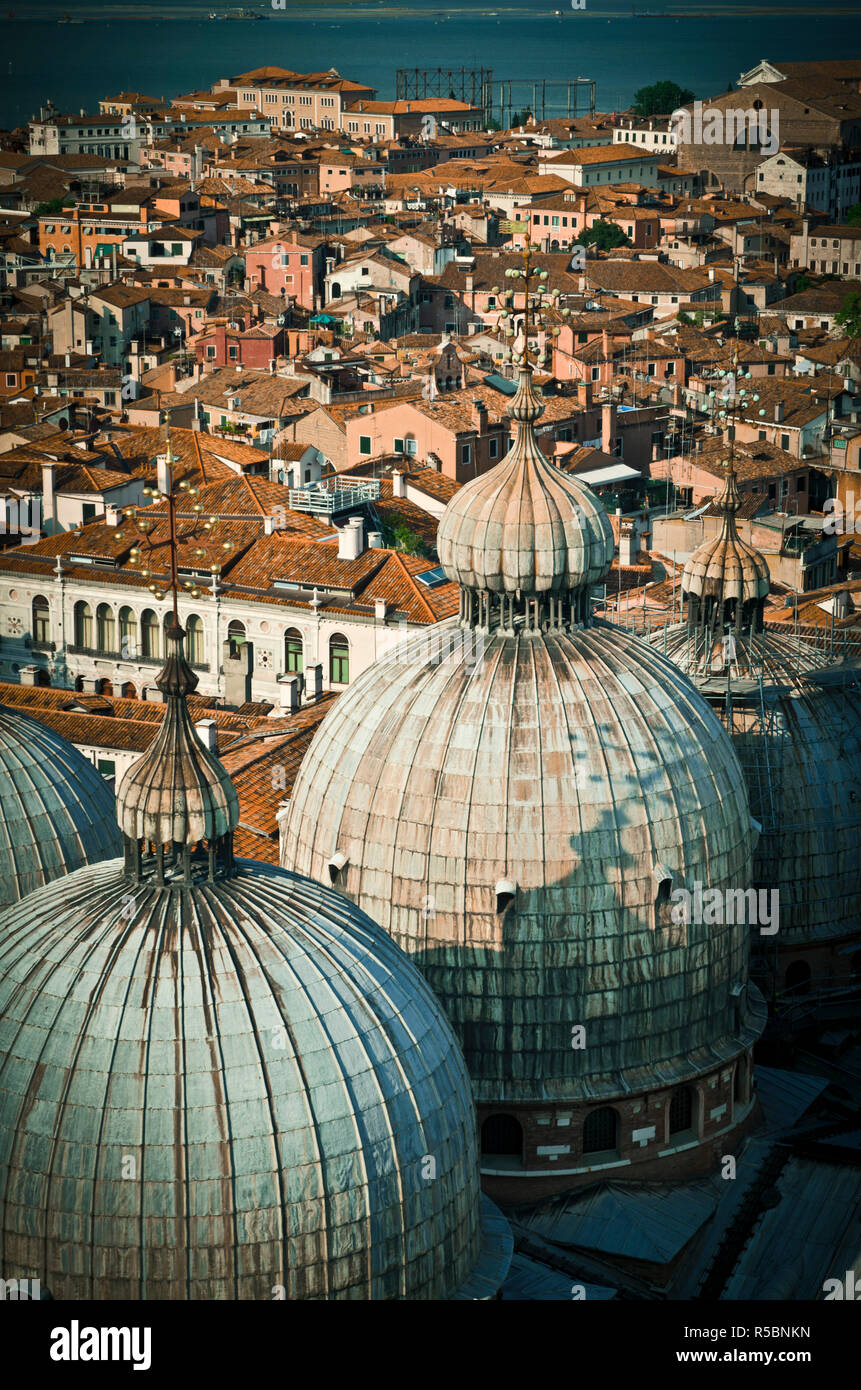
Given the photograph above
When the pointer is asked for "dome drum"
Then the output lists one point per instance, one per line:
(528, 1152)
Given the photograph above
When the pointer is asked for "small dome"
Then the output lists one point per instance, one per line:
(266, 1069)
(525, 526)
(727, 567)
(56, 812)
(178, 792)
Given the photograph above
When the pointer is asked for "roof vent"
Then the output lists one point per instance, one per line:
(336, 866)
(505, 891)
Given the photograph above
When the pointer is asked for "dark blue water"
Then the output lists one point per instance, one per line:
(163, 48)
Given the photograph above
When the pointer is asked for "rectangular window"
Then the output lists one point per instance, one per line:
(397, 446)
(494, 448)
(210, 351)
(364, 443)
(784, 441)
(465, 453)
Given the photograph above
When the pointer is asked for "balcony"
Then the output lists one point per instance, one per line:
(326, 499)
(99, 654)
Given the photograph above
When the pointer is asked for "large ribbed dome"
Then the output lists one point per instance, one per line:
(525, 526)
(219, 1080)
(578, 777)
(519, 812)
(56, 811)
(207, 1093)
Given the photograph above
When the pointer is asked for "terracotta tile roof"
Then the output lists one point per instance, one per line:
(255, 764)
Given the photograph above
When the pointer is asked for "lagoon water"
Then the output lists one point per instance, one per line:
(162, 48)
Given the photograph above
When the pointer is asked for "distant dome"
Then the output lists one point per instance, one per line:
(525, 526)
(56, 811)
(726, 569)
(794, 715)
(275, 1068)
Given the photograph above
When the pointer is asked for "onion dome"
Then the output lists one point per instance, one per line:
(726, 580)
(517, 811)
(56, 811)
(525, 528)
(178, 793)
(219, 1080)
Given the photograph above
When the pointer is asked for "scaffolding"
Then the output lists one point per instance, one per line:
(541, 97)
(472, 85)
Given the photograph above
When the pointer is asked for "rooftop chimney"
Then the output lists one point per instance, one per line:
(207, 731)
(163, 478)
(351, 539)
(778, 412)
(397, 484)
(49, 474)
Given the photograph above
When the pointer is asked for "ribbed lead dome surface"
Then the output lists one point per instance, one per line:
(583, 768)
(56, 811)
(208, 1093)
(800, 745)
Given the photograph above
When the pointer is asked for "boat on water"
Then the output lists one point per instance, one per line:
(238, 14)
(67, 19)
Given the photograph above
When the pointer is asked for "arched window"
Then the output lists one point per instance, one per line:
(336, 289)
(128, 634)
(129, 691)
(339, 659)
(294, 659)
(41, 619)
(194, 640)
(502, 1135)
(149, 634)
(236, 632)
(682, 1111)
(83, 624)
(105, 628)
(601, 1131)
(798, 977)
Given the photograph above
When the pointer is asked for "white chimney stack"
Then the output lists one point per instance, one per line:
(397, 484)
(112, 515)
(351, 539)
(164, 483)
(207, 732)
(49, 473)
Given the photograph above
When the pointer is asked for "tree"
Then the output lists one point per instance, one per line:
(849, 317)
(399, 535)
(853, 216)
(55, 206)
(605, 236)
(661, 98)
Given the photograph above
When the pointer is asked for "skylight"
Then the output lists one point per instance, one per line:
(432, 578)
